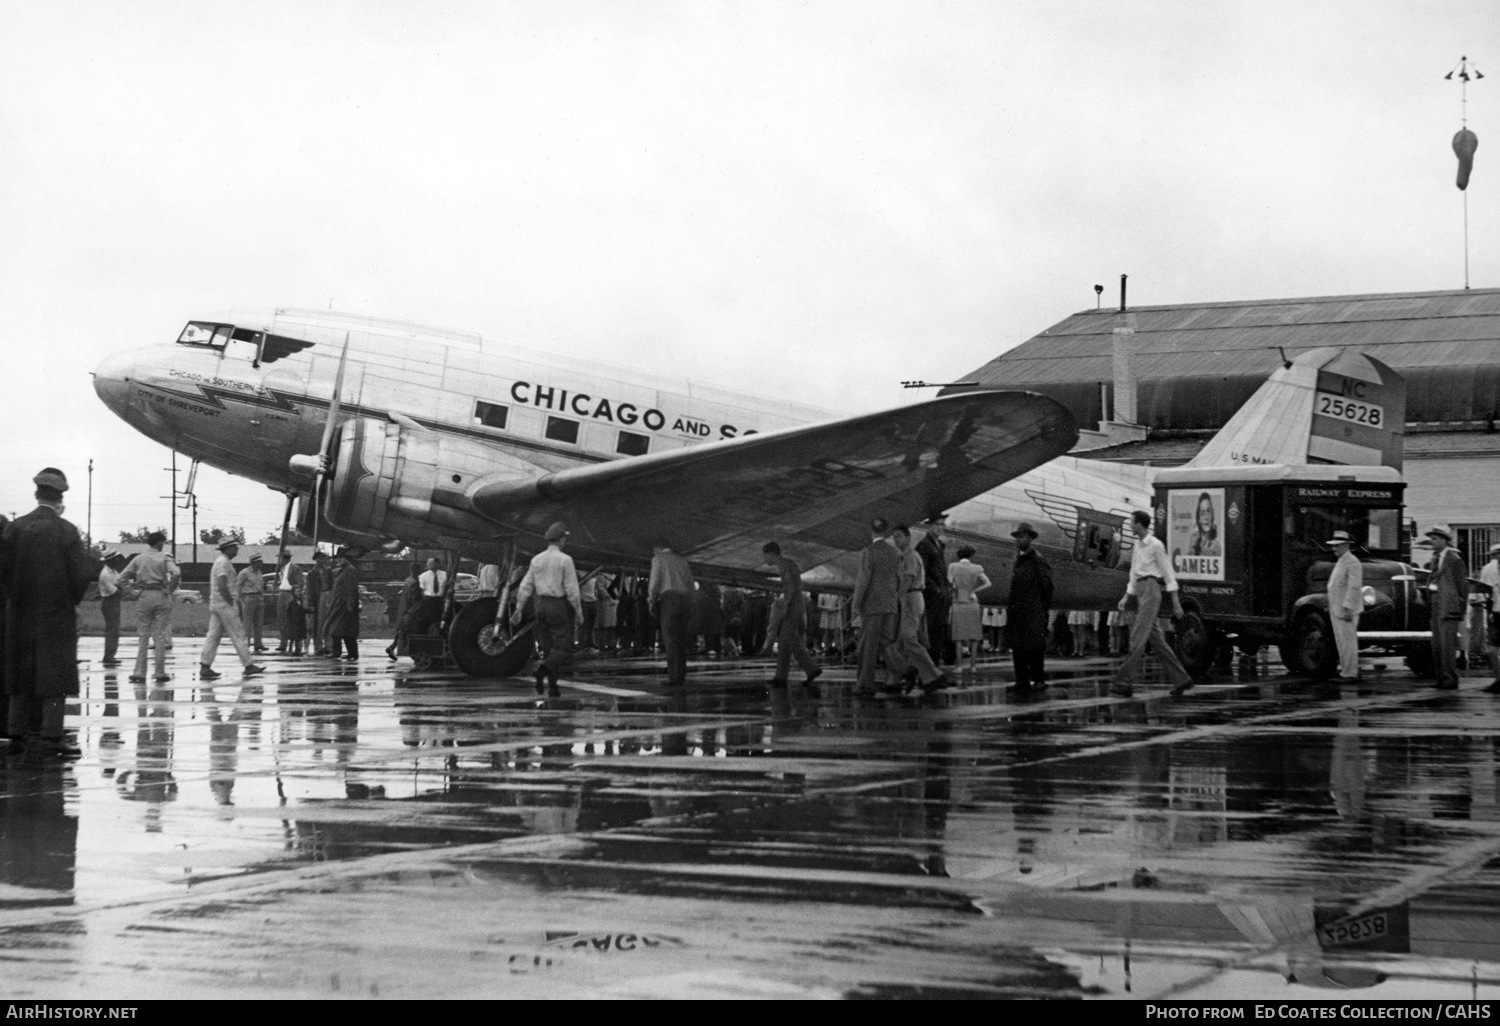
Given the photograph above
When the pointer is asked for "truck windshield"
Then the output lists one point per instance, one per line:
(1375, 529)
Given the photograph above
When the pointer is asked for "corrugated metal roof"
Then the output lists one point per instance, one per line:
(1195, 364)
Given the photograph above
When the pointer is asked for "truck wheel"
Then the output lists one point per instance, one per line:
(481, 652)
(1195, 644)
(1311, 650)
(1419, 661)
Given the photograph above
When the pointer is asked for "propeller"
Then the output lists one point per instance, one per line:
(321, 464)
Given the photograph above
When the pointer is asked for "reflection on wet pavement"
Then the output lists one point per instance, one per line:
(368, 832)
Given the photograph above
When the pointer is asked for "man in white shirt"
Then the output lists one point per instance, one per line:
(1345, 601)
(222, 618)
(1489, 574)
(429, 609)
(110, 598)
(433, 580)
(552, 578)
(1150, 575)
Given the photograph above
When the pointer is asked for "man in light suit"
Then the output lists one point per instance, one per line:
(1345, 601)
(1448, 596)
(875, 601)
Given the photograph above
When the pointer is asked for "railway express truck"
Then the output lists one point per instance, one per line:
(1248, 546)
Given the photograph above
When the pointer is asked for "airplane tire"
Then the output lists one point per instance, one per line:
(478, 651)
(1195, 644)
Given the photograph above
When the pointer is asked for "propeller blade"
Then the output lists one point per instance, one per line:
(328, 428)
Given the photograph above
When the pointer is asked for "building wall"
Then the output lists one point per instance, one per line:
(1463, 492)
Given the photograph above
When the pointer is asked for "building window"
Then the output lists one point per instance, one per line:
(560, 429)
(1474, 541)
(631, 444)
(490, 415)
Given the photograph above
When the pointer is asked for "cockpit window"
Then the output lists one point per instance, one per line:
(241, 343)
(202, 333)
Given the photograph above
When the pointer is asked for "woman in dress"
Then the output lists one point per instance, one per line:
(966, 616)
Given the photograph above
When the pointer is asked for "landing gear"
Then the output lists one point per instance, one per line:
(482, 646)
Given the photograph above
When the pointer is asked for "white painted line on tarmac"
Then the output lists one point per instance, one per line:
(602, 689)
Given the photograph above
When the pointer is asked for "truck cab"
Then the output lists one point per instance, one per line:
(1248, 547)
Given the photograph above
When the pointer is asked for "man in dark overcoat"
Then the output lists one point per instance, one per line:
(1448, 596)
(315, 590)
(342, 601)
(44, 573)
(937, 593)
(1026, 611)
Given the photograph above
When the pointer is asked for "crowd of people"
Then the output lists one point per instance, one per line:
(912, 611)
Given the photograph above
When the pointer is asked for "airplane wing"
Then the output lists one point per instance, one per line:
(814, 488)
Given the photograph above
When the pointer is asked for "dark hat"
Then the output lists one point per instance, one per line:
(1024, 528)
(230, 544)
(557, 531)
(51, 477)
(319, 554)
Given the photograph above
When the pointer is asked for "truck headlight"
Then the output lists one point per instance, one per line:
(1369, 595)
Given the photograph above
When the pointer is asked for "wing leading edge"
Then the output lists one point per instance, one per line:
(814, 488)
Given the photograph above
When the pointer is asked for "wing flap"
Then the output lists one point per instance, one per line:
(816, 487)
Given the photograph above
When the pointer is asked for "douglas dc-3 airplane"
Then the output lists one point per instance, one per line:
(415, 436)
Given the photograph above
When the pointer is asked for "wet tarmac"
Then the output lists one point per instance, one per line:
(364, 831)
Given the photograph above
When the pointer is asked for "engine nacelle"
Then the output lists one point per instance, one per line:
(398, 480)
(384, 478)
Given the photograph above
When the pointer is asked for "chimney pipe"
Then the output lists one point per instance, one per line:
(1122, 292)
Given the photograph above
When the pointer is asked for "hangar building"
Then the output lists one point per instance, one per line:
(1186, 369)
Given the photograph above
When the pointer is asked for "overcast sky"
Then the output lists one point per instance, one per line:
(808, 199)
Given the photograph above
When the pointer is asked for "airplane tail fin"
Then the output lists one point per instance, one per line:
(1327, 406)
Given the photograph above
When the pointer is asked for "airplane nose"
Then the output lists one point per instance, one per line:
(113, 380)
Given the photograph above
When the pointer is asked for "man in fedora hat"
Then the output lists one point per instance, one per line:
(937, 593)
(1489, 576)
(110, 597)
(222, 617)
(552, 578)
(1448, 599)
(876, 602)
(1345, 601)
(44, 574)
(1026, 611)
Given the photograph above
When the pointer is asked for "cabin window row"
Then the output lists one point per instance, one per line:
(560, 429)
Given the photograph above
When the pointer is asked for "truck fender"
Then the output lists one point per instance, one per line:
(1317, 600)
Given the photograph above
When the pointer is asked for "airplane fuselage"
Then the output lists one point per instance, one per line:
(247, 396)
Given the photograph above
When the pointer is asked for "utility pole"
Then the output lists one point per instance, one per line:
(195, 527)
(173, 497)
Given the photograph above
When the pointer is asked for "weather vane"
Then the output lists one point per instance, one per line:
(1465, 143)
